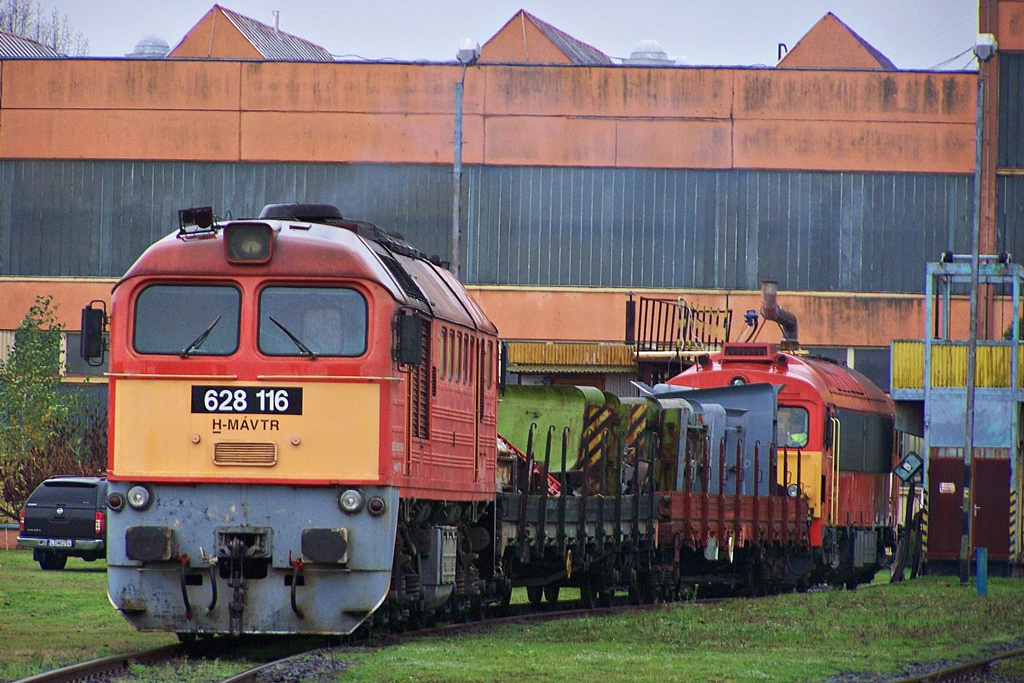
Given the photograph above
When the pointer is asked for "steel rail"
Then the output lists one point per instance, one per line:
(252, 674)
(106, 665)
(965, 671)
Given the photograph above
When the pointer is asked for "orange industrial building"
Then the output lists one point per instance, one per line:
(583, 181)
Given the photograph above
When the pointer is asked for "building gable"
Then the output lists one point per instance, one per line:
(831, 44)
(225, 34)
(525, 39)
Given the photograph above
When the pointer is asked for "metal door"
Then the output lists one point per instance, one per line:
(991, 524)
(945, 507)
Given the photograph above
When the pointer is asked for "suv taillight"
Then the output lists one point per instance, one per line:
(101, 521)
(21, 521)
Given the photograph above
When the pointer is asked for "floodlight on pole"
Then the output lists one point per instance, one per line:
(984, 49)
(469, 52)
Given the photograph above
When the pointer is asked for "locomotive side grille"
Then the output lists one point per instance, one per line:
(254, 454)
(419, 389)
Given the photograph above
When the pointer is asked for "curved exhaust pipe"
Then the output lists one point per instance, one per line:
(770, 311)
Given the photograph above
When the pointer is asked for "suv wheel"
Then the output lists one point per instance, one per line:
(52, 560)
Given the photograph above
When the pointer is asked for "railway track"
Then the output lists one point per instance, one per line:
(974, 670)
(311, 660)
(107, 667)
(118, 666)
(111, 668)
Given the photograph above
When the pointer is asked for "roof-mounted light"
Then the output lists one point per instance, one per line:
(196, 222)
(248, 242)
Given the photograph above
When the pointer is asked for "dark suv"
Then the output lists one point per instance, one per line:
(65, 517)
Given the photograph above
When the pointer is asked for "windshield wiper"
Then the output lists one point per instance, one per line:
(194, 346)
(298, 342)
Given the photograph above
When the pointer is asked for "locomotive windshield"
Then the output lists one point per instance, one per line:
(792, 430)
(312, 321)
(187, 320)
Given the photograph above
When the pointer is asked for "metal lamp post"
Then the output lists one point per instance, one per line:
(469, 52)
(984, 49)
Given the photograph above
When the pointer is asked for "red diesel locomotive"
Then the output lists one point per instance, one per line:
(836, 427)
(302, 420)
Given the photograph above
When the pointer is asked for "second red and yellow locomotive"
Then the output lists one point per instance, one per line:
(835, 427)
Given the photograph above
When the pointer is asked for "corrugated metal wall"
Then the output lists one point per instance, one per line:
(1010, 216)
(1011, 105)
(1010, 188)
(521, 225)
(96, 217)
(713, 229)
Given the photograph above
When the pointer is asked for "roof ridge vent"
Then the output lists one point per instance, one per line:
(737, 350)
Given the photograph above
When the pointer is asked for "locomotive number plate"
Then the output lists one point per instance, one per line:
(247, 400)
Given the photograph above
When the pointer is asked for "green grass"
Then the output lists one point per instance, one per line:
(805, 637)
(51, 619)
(55, 618)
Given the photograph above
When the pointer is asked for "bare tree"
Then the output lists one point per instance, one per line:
(53, 30)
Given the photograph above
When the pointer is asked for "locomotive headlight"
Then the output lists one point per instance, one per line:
(139, 497)
(792, 490)
(376, 506)
(248, 242)
(351, 501)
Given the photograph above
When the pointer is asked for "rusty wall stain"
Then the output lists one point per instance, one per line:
(854, 96)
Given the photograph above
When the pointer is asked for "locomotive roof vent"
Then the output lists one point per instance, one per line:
(747, 351)
(307, 213)
(405, 280)
(328, 214)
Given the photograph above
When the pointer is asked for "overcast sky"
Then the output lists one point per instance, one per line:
(914, 34)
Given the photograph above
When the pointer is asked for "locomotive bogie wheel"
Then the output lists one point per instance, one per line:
(551, 593)
(535, 594)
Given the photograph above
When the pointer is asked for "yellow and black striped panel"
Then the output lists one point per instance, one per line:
(1013, 526)
(598, 437)
(924, 525)
(635, 427)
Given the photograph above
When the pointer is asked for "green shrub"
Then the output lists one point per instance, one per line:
(44, 430)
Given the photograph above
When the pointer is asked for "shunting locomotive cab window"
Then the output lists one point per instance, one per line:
(187, 320)
(312, 321)
(792, 427)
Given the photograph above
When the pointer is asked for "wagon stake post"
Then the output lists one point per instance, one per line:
(542, 528)
(563, 479)
(581, 521)
(524, 495)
